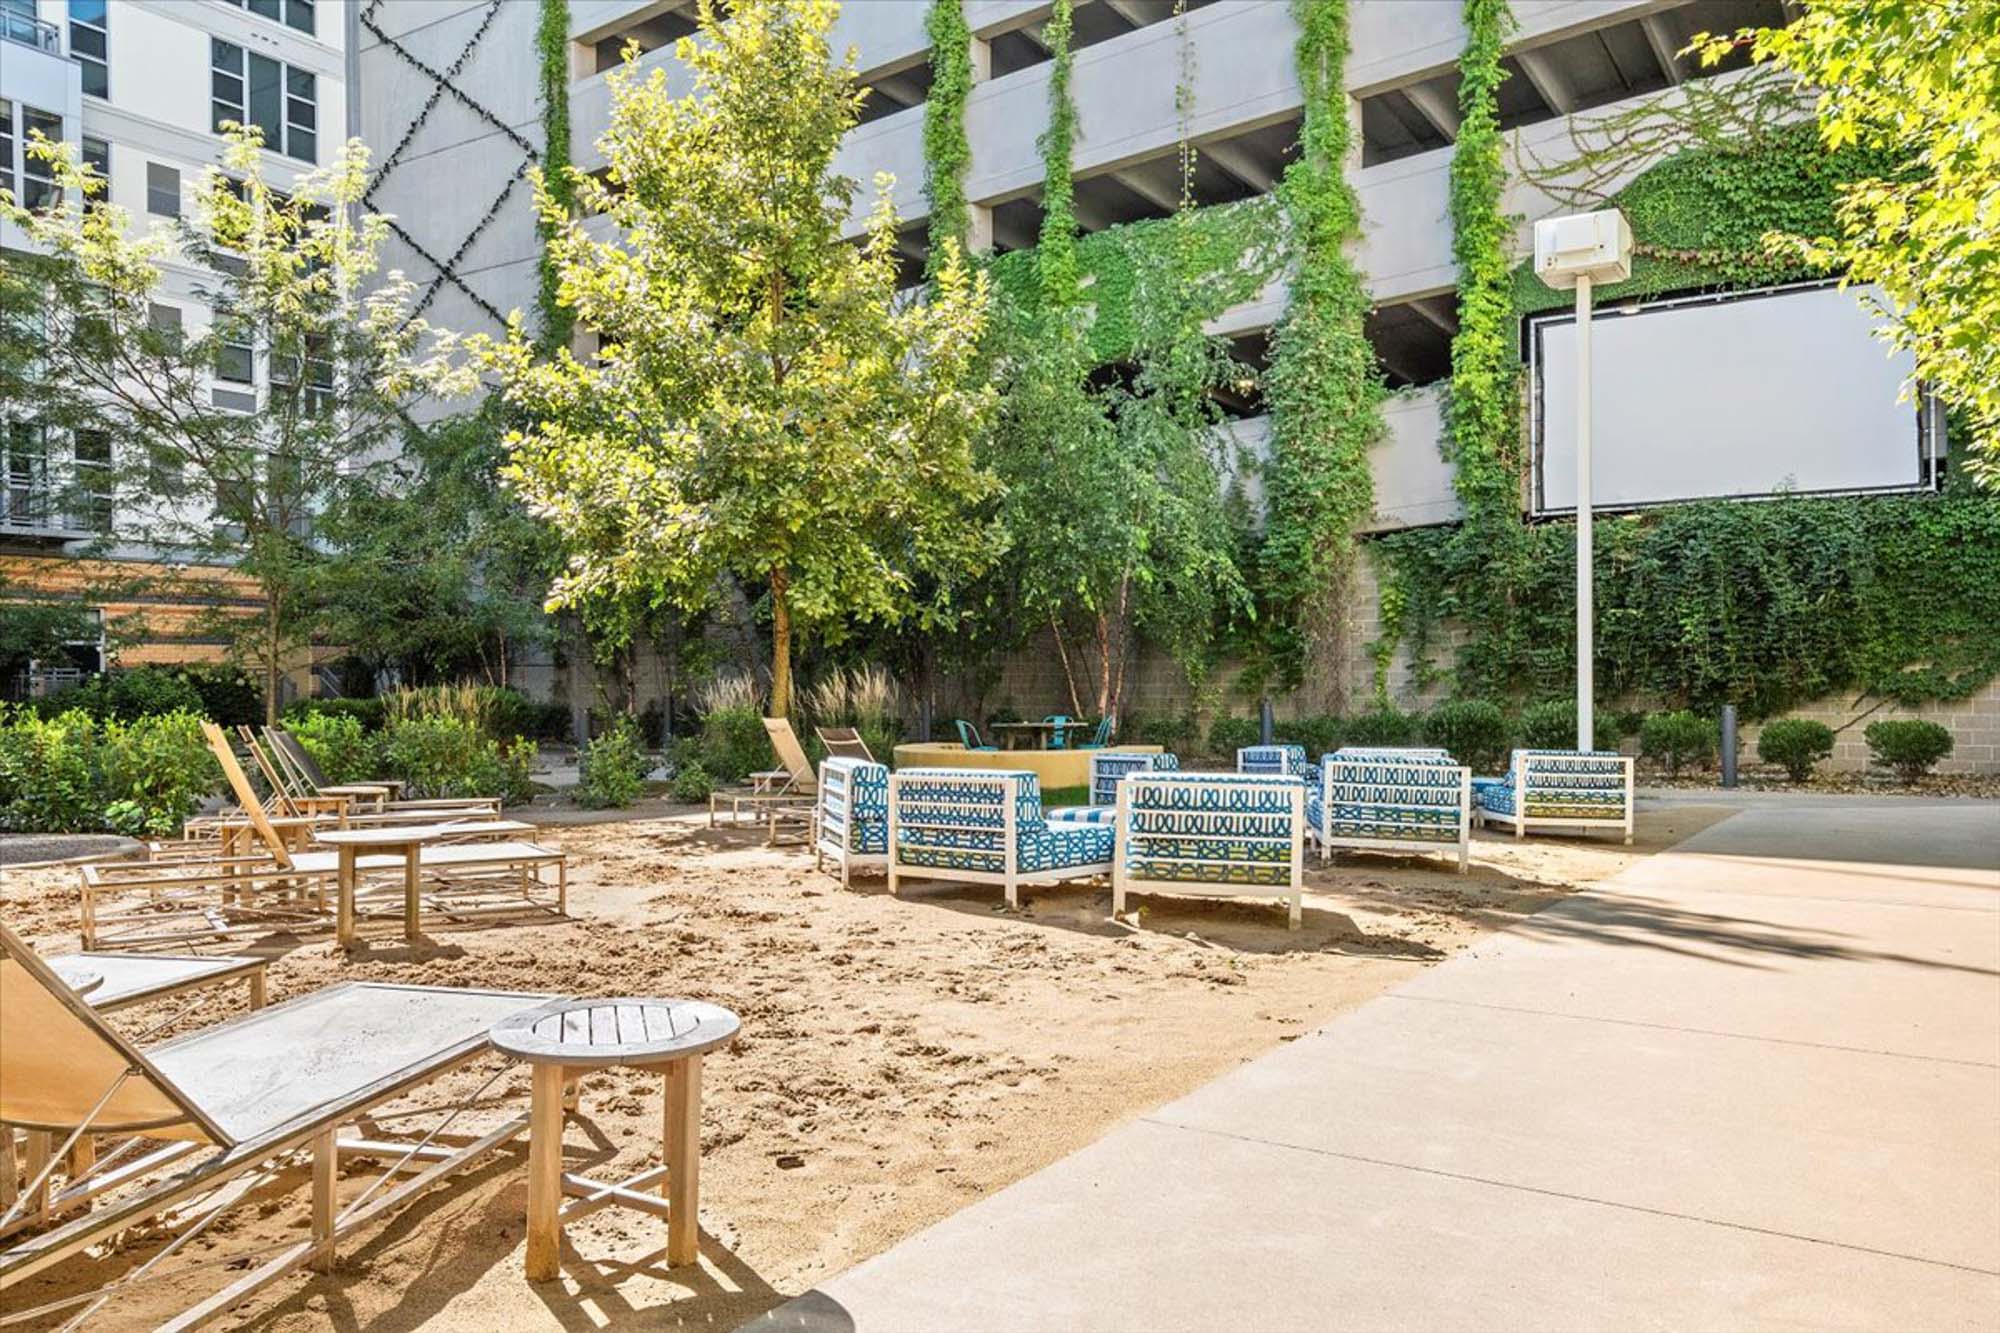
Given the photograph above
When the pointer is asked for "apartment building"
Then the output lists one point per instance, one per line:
(143, 87)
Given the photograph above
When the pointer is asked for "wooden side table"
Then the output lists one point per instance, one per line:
(563, 1041)
(350, 844)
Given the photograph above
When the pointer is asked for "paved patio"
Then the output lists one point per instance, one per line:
(1753, 1082)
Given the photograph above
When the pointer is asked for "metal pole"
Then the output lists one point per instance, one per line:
(1264, 724)
(1729, 745)
(1585, 683)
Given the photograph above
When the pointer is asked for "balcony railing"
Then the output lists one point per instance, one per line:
(34, 509)
(30, 31)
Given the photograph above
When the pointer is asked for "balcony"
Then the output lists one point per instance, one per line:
(27, 30)
(37, 513)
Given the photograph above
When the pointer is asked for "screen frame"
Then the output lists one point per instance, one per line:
(1928, 473)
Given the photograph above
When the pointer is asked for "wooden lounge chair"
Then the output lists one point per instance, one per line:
(784, 794)
(1211, 835)
(290, 754)
(845, 743)
(143, 905)
(210, 1116)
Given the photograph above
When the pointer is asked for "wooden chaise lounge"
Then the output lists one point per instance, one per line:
(206, 1118)
(151, 904)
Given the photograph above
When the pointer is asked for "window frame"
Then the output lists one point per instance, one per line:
(294, 133)
(286, 13)
(10, 180)
(101, 29)
(155, 191)
(35, 173)
(100, 160)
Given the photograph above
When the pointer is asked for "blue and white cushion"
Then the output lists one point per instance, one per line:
(1107, 767)
(1224, 829)
(1282, 760)
(854, 805)
(947, 819)
(1559, 784)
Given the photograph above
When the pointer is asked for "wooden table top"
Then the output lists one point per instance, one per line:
(622, 1031)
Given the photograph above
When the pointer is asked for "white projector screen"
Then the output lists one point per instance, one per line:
(1786, 390)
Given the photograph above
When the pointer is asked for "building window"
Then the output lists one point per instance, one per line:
(38, 185)
(292, 13)
(250, 89)
(24, 499)
(88, 46)
(163, 190)
(97, 156)
(94, 483)
(8, 180)
(234, 357)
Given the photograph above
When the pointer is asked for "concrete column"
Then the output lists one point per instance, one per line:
(979, 229)
(982, 60)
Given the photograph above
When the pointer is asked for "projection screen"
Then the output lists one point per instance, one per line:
(1746, 395)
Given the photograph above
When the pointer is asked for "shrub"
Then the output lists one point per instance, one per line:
(692, 783)
(1383, 726)
(229, 698)
(1317, 734)
(1168, 731)
(733, 745)
(1795, 745)
(340, 745)
(367, 712)
(156, 770)
(1680, 737)
(1911, 747)
(1472, 731)
(150, 692)
(1628, 722)
(1227, 735)
(612, 768)
(1551, 725)
(443, 755)
(49, 774)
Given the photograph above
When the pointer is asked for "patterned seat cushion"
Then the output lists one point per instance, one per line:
(1053, 847)
(1358, 819)
(1084, 814)
(1561, 784)
(854, 793)
(1107, 769)
(949, 819)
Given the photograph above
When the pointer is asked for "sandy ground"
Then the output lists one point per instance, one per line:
(899, 1058)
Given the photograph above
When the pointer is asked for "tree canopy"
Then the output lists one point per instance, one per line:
(762, 402)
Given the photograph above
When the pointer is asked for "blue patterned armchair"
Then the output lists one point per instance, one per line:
(1559, 789)
(1108, 766)
(1392, 801)
(1286, 760)
(1211, 835)
(851, 819)
(985, 826)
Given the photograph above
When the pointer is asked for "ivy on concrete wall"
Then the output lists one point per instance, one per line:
(1323, 387)
(1055, 247)
(1765, 605)
(552, 52)
(947, 152)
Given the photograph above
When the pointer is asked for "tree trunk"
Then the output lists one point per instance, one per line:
(272, 671)
(781, 645)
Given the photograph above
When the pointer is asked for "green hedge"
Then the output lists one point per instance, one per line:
(75, 773)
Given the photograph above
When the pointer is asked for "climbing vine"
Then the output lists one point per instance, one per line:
(1482, 424)
(1055, 248)
(552, 50)
(947, 152)
(1762, 605)
(1323, 387)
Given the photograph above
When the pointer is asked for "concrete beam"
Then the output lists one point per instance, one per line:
(1438, 109)
(1665, 48)
(1551, 83)
(1128, 11)
(1239, 164)
(898, 89)
(1149, 190)
(1090, 215)
(1437, 311)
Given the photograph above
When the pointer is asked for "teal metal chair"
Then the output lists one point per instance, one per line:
(968, 736)
(1102, 737)
(1059, 730)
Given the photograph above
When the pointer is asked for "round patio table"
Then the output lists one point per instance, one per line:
(564, 1040)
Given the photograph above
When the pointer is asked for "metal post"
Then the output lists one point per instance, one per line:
(1729, 745)
(1585, 667)
(1264, 725)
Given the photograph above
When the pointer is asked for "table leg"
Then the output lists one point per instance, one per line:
(325, 1184)
(257, 989)
(344, 910)
(545, 1127)
(683, 1156)
(412, 874)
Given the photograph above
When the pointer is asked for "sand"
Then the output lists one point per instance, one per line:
(900, 1058)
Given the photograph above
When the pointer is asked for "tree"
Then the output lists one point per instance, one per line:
(762, 404)
(433, 567)
(198, 463)
(1919, 79)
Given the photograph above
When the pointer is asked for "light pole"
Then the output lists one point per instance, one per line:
(1579, 251)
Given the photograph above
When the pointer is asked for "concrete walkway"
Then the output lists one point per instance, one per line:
(1753, 1082)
